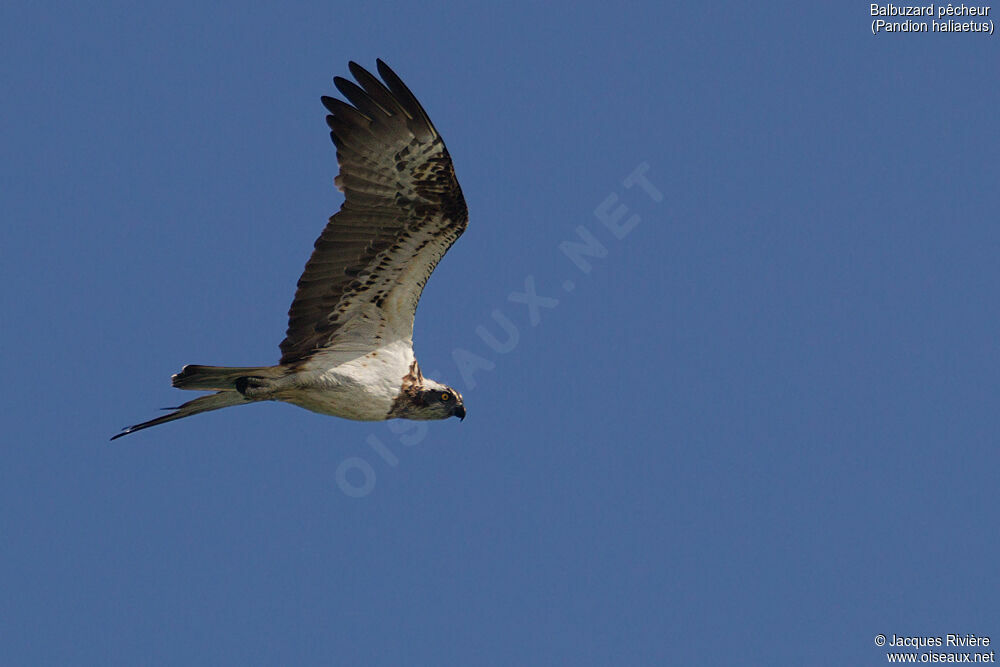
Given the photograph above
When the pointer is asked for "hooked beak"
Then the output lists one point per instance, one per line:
(459, 412)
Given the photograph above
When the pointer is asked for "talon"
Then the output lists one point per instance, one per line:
(249, 382)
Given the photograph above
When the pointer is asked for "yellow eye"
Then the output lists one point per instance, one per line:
(445, 397)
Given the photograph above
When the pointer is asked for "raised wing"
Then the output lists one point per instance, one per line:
(403, 209)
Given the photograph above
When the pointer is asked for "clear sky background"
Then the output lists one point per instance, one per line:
(761, 429)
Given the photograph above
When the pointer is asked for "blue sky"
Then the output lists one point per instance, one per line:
(761, 428)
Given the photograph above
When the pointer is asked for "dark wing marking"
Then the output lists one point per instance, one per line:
(403, 209)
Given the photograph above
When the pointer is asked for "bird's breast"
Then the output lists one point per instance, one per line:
(362, 387)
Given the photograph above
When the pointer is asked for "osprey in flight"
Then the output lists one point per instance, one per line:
(348, 350)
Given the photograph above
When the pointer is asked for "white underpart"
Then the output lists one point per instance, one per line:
(354, 385)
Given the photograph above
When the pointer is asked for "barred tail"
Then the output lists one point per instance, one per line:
(220, 377)
(223, 399)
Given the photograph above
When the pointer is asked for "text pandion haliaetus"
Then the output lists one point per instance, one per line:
(348, 350)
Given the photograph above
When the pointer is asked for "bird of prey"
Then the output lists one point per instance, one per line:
(348, 351)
